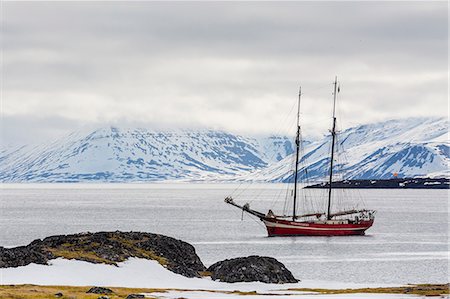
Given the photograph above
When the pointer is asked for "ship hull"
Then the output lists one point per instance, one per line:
(279, 227)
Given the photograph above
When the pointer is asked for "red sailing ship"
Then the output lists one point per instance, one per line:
(327, 223)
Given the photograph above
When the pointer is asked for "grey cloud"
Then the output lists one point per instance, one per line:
(233, 65)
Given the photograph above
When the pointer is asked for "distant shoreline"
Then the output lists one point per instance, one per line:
(398, 183)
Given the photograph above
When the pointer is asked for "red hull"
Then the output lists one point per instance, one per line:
(279, 227)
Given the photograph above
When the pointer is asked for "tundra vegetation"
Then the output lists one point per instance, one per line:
(45, 292)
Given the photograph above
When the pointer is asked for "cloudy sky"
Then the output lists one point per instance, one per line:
(231, 66)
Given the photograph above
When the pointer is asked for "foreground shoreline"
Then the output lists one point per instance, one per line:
(157, 266)
(30, 291)
(73, 279)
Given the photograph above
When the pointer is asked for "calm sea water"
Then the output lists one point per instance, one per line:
(407, 244)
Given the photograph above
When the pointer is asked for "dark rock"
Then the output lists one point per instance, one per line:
(182, 256)
(135, 296)
(23, 255)
(99, 290)
(252, 268)
(107, 247)
(103, 297)
(57, 295)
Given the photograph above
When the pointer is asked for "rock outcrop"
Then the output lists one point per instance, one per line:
(24, 255)
(99, 290)
(107, 247)
(252, 268)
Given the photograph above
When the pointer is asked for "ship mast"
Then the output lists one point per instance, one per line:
(333, 141)
(297, 150)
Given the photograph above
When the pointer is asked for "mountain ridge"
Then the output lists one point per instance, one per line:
(409, 147)
(112, 154)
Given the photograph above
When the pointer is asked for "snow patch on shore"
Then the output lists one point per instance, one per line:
(142, 273)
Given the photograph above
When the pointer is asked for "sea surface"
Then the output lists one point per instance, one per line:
(407, 244)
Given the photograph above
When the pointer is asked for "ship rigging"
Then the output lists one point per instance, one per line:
(324, 223)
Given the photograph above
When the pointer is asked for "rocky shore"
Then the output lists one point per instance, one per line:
(175, 255)
(109, 248)
(252, 268)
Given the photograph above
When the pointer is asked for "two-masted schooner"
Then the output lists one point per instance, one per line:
(324, 223)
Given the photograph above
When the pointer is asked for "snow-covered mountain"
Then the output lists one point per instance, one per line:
(410, 147)
(116, 155)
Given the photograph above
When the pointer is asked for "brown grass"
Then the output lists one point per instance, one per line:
(87, 256)
(69, 292)
(423, 290)
(86, 252)
(205, 273)
(45, 292)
